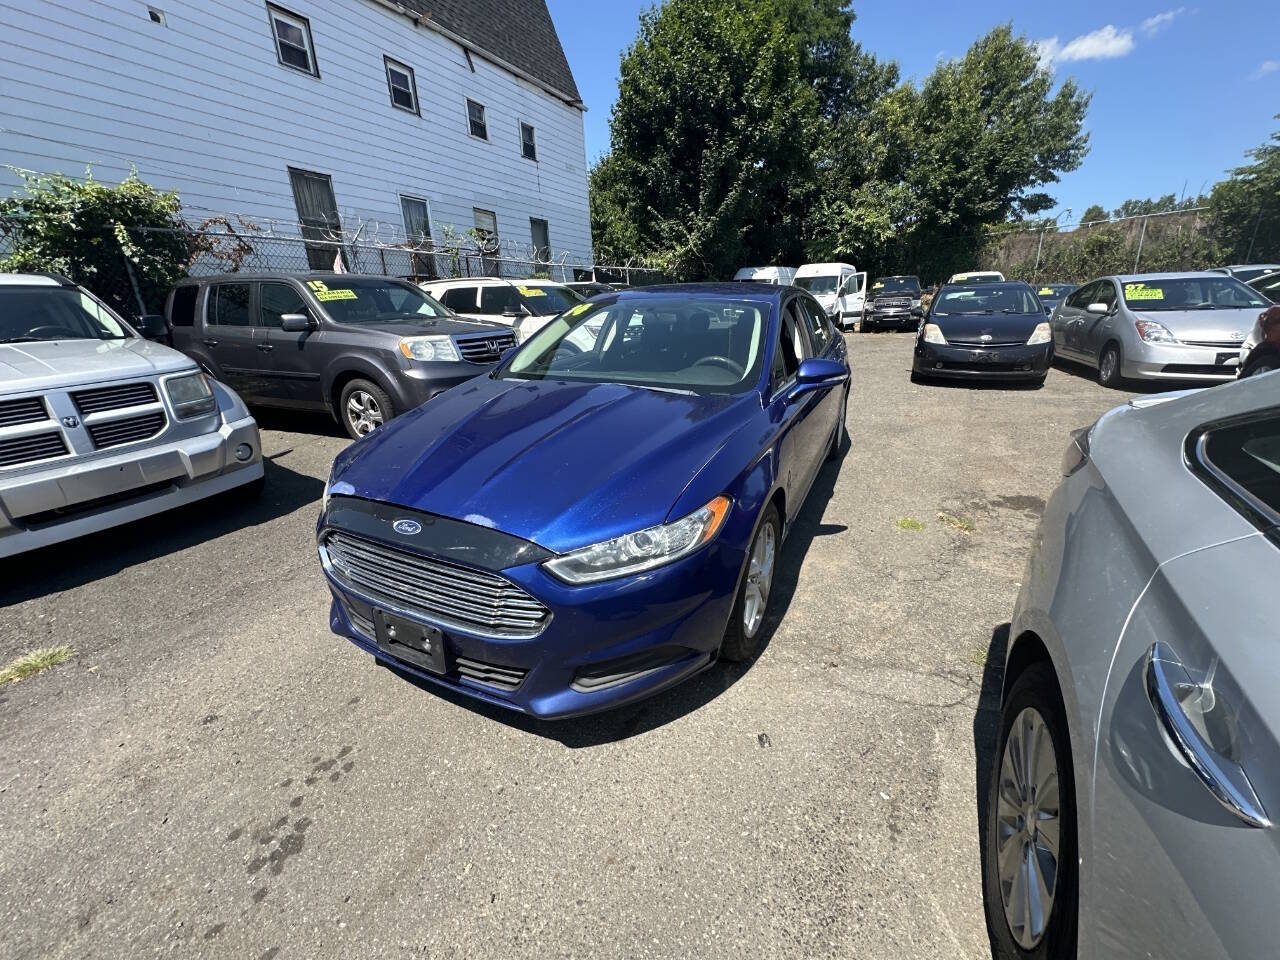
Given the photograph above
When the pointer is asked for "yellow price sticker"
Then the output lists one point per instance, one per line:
(877, 286)
(335, 295)
(1045, 292)
(1140, 291)
(580, 308)
(531, 292)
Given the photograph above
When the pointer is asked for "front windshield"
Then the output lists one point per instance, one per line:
(548, 299)
(350, 299)
(818, 285)
(1011, 299)
(1054, 291)
(30, 314)
(674, 343)
(886, 286)
(1190, 293)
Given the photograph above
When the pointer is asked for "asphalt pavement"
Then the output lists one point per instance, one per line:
(214, 774)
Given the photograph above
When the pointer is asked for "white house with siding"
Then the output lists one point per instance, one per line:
(401, 116)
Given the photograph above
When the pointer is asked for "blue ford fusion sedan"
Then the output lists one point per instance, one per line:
(600, 516)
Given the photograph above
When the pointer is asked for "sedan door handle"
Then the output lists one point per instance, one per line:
(265, 347)
(210, 342)
(1225, 779)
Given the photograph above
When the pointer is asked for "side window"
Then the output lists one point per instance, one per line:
(276, 299)
(460, 299)
(792, 345)
(1105, 293)
(229, 305)
(498, 299)
(1248, 456)
(1081, 298)
(182, 312)
(816, 323)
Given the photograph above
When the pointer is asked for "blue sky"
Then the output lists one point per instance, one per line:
(1180, 91)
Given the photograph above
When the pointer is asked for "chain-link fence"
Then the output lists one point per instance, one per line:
(237, 245)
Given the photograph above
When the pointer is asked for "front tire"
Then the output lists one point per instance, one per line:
(1110, 364)
(1029, 868)
(742, 636)
(363, 407)
(841, 432)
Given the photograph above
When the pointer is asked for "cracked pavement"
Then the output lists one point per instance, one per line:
(215, 774)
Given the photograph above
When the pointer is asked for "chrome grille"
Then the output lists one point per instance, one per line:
(22, 410)
(113, 397)
(1219, 344)
(32, 447)
(889, 302)
(446, 593)
(987, 343)
(485, 349)
(113, 433)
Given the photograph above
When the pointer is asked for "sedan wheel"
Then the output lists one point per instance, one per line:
(1109, 367)
(742, 635)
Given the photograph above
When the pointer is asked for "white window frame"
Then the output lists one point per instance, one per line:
(533, 133)
(389, 64)
(275, 13)
(484, 115)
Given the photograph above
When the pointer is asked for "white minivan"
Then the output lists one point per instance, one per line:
(778, 276)
(839, 287)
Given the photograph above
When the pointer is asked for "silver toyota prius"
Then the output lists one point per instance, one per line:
(1157, 326)
(1136, 775)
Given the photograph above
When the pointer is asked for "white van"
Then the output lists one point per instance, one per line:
(778, 276)
(978, 276)
(839, 287)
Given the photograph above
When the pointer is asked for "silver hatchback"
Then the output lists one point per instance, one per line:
(1136, 773)
(1157, 326)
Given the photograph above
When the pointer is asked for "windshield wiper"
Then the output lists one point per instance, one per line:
(22, 339)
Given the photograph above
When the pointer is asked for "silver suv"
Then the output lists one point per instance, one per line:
(99, 426)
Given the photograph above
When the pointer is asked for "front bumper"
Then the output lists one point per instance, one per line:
(1152, 361)
(606, 644)
(73, 499)
(419, 382)
(895, 318)
(1018, 362)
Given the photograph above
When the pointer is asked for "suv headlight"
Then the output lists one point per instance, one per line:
(190, 396)
(643, 550)
(435, 347)
(1153, 332)
(1043, 333)
(933, 334)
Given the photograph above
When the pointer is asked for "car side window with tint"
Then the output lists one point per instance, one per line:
(499, 299)
(1245, 459)
(1105, 293)
(816, 322)
(460, 299)
(275, 300)
(182, 311)
(792, 347)
(229, 305)
(1082, 297)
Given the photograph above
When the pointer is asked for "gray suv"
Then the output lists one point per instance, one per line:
(365, 349)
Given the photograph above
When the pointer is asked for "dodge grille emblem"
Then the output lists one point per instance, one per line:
(71, 421)
(407, 527)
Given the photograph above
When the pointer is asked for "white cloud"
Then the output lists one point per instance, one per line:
(1105, 43)
(1153, 25)
(1268, 66)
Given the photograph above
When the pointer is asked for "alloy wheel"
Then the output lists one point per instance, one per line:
(363, 412)
(759, 579)
(1028, 828)
(1108, 370)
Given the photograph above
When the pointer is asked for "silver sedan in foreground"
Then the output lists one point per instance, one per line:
(1157, 326)
(1136, 774)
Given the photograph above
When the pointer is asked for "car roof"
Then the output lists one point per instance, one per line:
(899, 276)
(807, 268)
(989, 285)
(286, 275)
(34, 280)
(1249, 266)
(763, 293)
(1175, 275)
(492, 281)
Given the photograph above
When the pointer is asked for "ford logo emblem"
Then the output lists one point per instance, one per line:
(407, 527)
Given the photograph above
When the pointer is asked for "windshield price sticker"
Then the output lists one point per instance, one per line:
(1045, 292)
(580, 308)
(876, 286)
(322, 291)
(531, 292)
(1140, 291)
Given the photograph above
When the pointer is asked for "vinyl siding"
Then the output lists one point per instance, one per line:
(202, 106)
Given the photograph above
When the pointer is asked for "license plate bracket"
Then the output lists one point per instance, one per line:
(414, 643)
(1227, 357)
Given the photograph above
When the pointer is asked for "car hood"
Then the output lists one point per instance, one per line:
(561, 464)
(55, 364)
(452, 326)
(998, 327)
(1213, 325)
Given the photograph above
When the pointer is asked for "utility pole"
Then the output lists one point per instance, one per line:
(1141, 236)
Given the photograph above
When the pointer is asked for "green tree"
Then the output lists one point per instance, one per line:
(1094, 213)
(1245, 208)
(87, 230)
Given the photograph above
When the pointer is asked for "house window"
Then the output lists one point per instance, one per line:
(528, 146)
(293, 40)
(475, 120)
(487, 232)
(541, 237)
(404, 91)
(318, 217)
(417, 230)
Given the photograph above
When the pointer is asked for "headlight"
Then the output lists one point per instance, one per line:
(644, 549)
(429, 348)
(1043, 333)
(191, 396)
(1153, 332)
(933, 334)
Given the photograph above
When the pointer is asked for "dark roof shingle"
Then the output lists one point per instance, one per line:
(517, 31)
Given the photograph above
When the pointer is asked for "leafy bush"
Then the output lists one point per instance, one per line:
(97, 234)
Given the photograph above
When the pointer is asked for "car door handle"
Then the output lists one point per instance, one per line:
(265, 347)
(1165, 676)
(210, 342)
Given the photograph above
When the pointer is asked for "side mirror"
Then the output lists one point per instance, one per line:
(153, 326)
(1099, 308)
(818, 373)
(296, 322)
(1048, 310)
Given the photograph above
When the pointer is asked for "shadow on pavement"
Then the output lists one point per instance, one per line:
(672, 704)
(986, 731)
(298, 421)
(1083, 372)
(85, 559)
